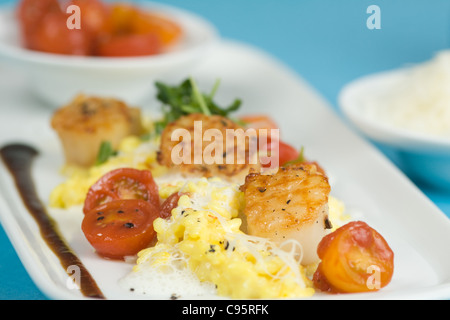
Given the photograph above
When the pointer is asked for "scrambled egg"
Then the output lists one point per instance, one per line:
(132, 152)
(205, 231)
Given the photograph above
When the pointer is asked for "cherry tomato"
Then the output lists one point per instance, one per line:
(170, 203)
(120, 228)
(113, 30)
(53, 36)
(120, 17)
(122, 183)
(286, 153)
(259, 121)
(129, 45)
(354, 258)
(166, 30)
(262, 124)
(30, 14)
(93, 14)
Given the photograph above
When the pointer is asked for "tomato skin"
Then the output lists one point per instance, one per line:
(122, 183)
(258, 121)
(134, 32)
(44, 28)
(30, 14)
(53, 36)
(94, 15)
(120, 17)
(111, 30)
(286, 153)
(129, 45)
(120, 228)
(166, 30)
(349, 257)
(170, 203)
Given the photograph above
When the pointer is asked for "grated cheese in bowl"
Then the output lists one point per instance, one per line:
(418, 100)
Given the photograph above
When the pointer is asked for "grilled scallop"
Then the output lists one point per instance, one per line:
(87, 121)
(198, 144)
(289, 204)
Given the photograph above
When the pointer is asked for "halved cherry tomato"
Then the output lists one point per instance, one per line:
(120, 228)
(354, 258)
(169, 204)
(129, 45)
(122, 183)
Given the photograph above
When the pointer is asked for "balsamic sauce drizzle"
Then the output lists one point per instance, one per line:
(18, 158)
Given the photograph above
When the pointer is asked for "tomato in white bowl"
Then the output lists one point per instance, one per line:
(56, 74)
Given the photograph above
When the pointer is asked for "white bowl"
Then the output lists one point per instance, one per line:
(58, 78)
(424, 157)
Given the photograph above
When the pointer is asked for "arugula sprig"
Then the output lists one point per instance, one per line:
(105, 152)
(185, 99)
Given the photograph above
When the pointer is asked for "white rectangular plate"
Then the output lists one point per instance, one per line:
(368, 184)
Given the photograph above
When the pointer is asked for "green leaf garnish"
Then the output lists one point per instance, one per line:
(186, 99)
(104, 153)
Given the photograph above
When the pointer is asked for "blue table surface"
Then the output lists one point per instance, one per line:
(326, 41)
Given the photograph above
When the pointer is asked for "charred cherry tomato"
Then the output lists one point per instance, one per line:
(94, 15)
(129, 45)
(354, 258)
(113, 30)
(169, 204)
(120, 228)
(122, 183)
(30, 14)
(53, 36)
(120, 17)
(149, 23)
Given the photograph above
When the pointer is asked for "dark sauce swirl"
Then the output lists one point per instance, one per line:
(18, 158)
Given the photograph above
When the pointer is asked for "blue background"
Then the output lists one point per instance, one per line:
(325, 41)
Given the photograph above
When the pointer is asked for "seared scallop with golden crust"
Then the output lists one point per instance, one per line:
(199, 144)
(291, 204)
(87, 121)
